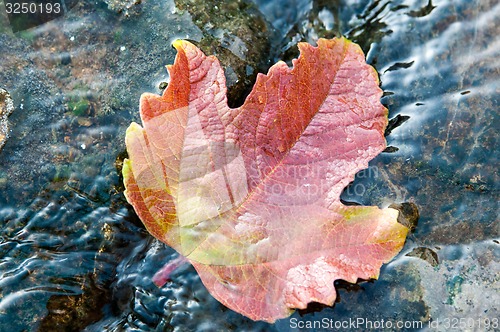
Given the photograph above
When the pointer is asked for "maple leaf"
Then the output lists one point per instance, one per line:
(250, 195)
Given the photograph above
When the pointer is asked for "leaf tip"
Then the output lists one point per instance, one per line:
(126, 168)
(181, 44)
(177, 43)
(132, 130)
(128, 178)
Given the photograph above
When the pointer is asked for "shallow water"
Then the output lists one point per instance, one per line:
(73, 255)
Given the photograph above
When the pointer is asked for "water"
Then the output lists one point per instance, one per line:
(73, 255)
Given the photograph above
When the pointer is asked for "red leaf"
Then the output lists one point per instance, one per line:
(250, 196)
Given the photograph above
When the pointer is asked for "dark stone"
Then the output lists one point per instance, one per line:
(425, 254)
(65, 58)
(75, 312)
(395, 122)
(408, 214)
(162, 86)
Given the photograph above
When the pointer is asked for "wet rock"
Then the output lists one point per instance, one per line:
(74, 312)
(65, 59)
(6, 108)
(125, 7)
(424, 11)
(24, 161)
(78, 79)
(463, 286)
(445, 162)
(301, 20)
(110, 60)
(408, 214)
(425, 254)
(391, 149)
(395, 122)
(361, 21)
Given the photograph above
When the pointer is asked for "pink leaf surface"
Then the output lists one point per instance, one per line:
(250, 195)
(163, 275)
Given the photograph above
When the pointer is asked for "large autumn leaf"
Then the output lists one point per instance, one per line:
(250, 195)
